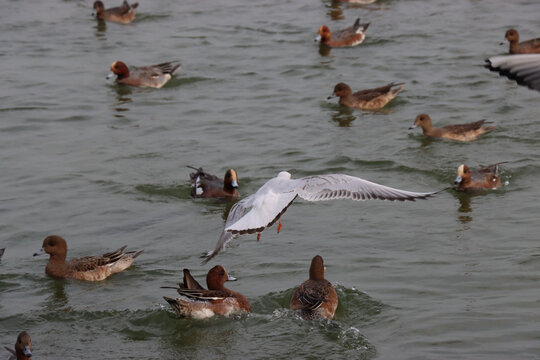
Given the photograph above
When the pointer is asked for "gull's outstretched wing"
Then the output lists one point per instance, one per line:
(273, 199)
(340, 186)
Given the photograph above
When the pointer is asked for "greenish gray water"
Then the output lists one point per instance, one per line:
(104, 166)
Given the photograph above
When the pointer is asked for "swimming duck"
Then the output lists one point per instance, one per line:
(210, 186)
(351, 36)
(370, 99)
(154, 76)
(526, 47)
(122, 14)
(479, 179)
(460, 132)
(90, 268)
(256, 212)
(198, 303)
(23, 347)
(315, 297)
(524, 69)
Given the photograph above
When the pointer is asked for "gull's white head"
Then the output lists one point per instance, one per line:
(284, 175)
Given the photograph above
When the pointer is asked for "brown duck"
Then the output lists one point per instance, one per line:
(205, 185)
(316, 297)
(351, 36)
(23, 347)
(526, 47)
(370, 99)
(460, 132)
(483, 178)
(90, 268)
(122, 14)
(198, 303)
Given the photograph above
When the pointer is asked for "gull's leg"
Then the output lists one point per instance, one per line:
(279, 226)
(258, 236)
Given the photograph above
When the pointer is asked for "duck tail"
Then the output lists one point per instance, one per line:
(397, 89)
(175, 66)
(169, 67)
(365, 26)
(360, 28)
(199, 172)
(135, 253)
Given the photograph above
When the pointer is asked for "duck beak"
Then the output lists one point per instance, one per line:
(234, 184)
(94, 12)
(458, 180)
(40, 252)
(111, 74)
(318, 38)
(27, 352)
(505, 41)
(331, 96)
(231, 278)
(413, 126)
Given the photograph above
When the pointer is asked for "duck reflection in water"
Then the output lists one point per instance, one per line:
(464, 210)
(101, 29)
(334, 10)
(324, 50)
(122, 99)
(343, 116)
(58, 298)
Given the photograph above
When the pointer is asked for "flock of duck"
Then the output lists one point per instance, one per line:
(316, 297)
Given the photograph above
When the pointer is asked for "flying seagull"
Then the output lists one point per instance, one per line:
(262, 209)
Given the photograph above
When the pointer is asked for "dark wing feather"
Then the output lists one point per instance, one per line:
(119, 10)
(312, 294)
(351, 30)
(534, 43)
(489, 169)
(203, 295)
(89, 263)
(465, 128)
(168, 67)
(369, 94)
(189, 282)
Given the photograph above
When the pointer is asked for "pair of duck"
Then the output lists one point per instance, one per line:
(314, 298)
(153, 76)
(369, 99)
